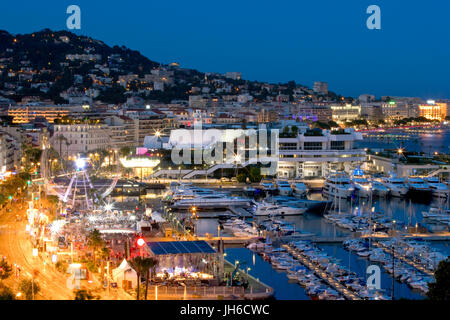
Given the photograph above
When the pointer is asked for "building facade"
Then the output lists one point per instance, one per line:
(316, 155)
(81, 138)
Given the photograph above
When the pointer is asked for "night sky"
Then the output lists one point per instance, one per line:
(273, 41)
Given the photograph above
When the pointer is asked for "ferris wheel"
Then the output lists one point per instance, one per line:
(74, 187)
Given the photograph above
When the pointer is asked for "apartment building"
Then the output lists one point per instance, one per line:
(81, 138)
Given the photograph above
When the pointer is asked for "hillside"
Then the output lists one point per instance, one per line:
(57, 64)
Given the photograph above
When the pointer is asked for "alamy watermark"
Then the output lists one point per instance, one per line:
(74, 20)
(374, 20)
(230, 146)
(374, 279)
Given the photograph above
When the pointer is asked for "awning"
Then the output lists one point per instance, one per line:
(179, 247)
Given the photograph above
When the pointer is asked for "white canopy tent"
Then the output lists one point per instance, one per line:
(124, 272)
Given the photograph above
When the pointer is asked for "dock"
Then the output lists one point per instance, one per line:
(404, 259)
(240, 211)
(322, 274)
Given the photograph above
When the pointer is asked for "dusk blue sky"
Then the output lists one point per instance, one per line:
(273, 41)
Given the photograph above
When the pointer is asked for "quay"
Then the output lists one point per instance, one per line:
(322, 274)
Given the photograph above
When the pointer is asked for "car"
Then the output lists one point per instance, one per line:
(224, 179)
(234, 179)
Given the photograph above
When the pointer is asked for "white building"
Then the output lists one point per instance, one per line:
(81, 138)
(9, 153)
(315, 153)
(347, 112)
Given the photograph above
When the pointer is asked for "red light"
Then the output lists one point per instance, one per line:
(140, 242)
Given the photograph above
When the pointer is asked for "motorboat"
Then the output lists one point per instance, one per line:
(300, 189)
(396, 185)
(268, 209)
(267, 185)
(284, 187)
(438, 189)
(361, 183)
(418, 186)
(379, 189)
(363, 186)
(338, 185)
(213, 200)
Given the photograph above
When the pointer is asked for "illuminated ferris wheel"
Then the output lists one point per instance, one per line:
(75, 188)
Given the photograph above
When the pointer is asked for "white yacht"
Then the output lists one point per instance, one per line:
(361, 183)
(417, 186)
(438, 189)
(338, 185)
(379, 189)
(397, 185)
(363, 186)
(300, 189)
(284, 187)
(268, 209)
(214, 200)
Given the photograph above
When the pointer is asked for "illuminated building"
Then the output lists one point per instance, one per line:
(433, 110)
(347, 112)
(80, 138)
(26, 114)
(316, 154)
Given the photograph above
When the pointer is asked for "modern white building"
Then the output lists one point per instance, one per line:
(315, 153)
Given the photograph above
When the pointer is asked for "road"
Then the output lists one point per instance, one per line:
(16, 246)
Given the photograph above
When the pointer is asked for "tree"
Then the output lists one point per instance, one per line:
(241, 177)
(255, 174)
(95, 242)
(333, 124)
(5, 270)
(440, 289)
(29, 288)
(143, 266)
(83, 294)
(124, 151)
(150, 265)
(138, 266)
(6, 293)
(294, 130)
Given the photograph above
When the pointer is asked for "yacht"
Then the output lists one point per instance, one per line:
(300, 189)
(418, 188)
(284, 187)
(379, 189)
(362, 186)
(213, 200)
(438, 189)
(267, 209)
(396, 185)
(361, 183)
(338, 185)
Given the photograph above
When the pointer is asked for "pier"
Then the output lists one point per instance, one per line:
(403, 258)
(322, 274)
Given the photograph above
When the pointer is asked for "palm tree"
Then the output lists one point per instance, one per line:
(95, 241)
(143, 266)
(150, 265)
(138, 266)
(60, 139)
